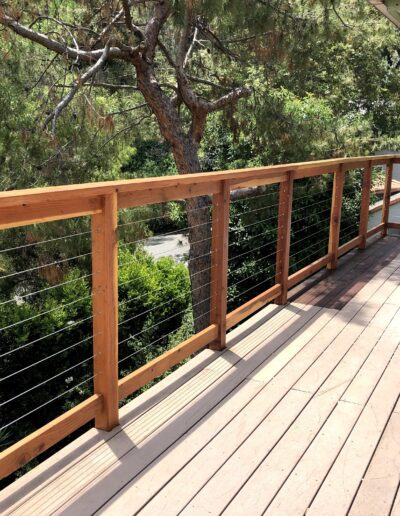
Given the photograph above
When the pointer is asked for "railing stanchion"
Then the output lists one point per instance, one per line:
(336, 213)
(105, 310)
(365, 201)
(283, 243)
(219, 259)
(386, 197)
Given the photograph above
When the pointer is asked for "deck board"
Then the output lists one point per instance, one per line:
(299, 413)
(275, 465)
(379, 485)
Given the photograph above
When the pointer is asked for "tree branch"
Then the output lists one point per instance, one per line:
(129, 22)
(105, 85)
(229, 98)
(61, 48)
(153, 27)
(208, 83)
(184, 43)
(77, 84)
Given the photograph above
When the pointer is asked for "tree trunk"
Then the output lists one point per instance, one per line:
(199, 223)
(185, 152)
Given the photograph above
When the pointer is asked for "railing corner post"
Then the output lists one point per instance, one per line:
(283, 242)
(105, 310)
(219, 259)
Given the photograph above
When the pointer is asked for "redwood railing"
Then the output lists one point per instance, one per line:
(101, 201)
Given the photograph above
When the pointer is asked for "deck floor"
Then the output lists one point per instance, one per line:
(300, 414)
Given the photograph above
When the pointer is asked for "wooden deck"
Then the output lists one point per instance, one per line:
(300, 414)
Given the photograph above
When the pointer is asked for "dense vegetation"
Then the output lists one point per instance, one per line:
(325, 82)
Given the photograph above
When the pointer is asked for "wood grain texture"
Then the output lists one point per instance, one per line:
(283, 241)
(307, 271)
(336, 214)
(348, 246)
(219, 263)
(386, 197)
(36, 443)
(105, 310)
(252, 306)
(17, 198)
(262, 413)
(365, 202)
(47, 211)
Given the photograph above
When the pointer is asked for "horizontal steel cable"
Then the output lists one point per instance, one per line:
(46, 403)
(190, 291)
(251, 288)
(312, 254)
(44, 241)
(166, 216)
(18, 298)
(164, 320)
(234, 230)
(57, 262)
(46, 312)
(309, 236)
(129, 262)
(48, 357)
(178, 231)
(121, 303)
(248, 277)
(157, 340)
(65, 328)
(252, 250)
(46, 381)
(253, 197)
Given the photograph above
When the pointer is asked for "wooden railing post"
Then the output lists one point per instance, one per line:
(386, 197)
(365, 201)
(336, 213)
(283, 243)
(105, 310)
(219, 262)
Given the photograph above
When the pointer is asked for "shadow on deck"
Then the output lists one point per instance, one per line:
(299, 413)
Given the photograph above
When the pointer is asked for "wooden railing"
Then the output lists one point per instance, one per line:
(101, 201)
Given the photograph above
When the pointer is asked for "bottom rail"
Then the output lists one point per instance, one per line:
(145, 374)
(348, 246)
(307, 271)
(252, 306)
(375, 230)
(26, 449)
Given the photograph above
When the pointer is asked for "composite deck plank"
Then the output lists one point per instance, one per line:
(80, 476)
(379, 485)
(43, 474)
(252, 449)
(340, 486)
(336, 288)
(274, 467)
(396, 504)
(299, 488)
(94, 495)
(230, 435)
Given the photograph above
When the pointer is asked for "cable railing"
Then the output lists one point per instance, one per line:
(252, 235)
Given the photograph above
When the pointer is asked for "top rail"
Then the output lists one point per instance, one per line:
(274, 173)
